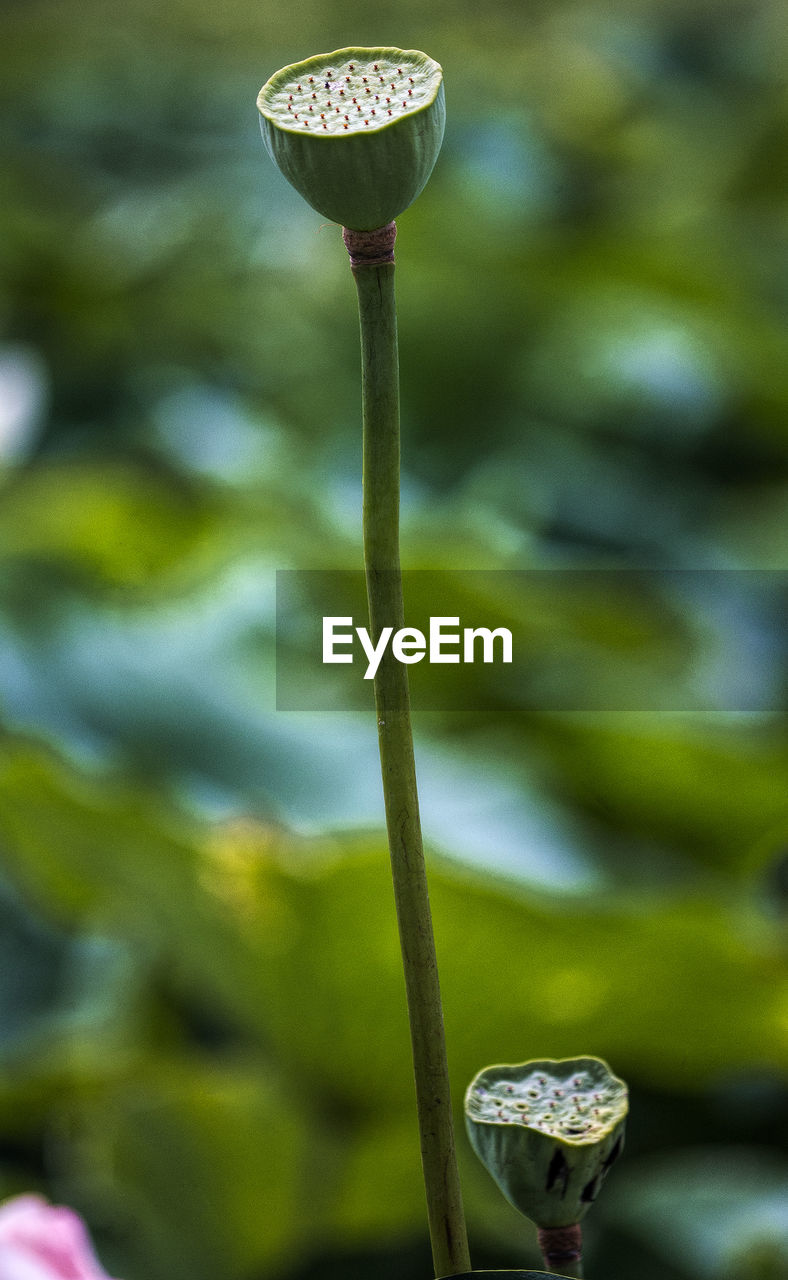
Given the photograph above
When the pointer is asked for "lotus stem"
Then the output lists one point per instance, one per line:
(372, 261)
(562, 1250)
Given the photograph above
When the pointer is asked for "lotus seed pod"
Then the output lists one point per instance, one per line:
(548, 1132)
(357, 132)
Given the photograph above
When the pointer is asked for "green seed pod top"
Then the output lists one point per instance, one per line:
(548, 1131)
(357, 132)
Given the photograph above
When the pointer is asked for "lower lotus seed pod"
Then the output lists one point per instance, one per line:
(548, 1131)
(356, 131)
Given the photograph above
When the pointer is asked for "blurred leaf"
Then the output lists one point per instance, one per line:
(296, 942)
(378, 1192)
(711, 789)
(273, 925)
(108, 524)
(112, 859)
(29, 956)
(711, 1212)
(205, 1170)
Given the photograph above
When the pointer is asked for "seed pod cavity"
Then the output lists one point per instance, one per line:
(548, 1132)
(356, 131)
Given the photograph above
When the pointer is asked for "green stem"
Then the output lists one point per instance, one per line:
(572, 1269)
(380, 395)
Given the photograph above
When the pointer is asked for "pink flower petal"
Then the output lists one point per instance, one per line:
(39, 1241)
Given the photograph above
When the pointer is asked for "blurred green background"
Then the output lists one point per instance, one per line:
(203, 1044)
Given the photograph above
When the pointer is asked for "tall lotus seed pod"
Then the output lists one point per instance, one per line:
(357, 132)
(548, 1131)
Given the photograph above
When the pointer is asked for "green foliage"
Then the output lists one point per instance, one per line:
(102, 525)
(718, 1210)
(308, 1111)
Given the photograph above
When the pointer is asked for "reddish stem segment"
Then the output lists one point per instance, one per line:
(562, 1249)
(370, 248)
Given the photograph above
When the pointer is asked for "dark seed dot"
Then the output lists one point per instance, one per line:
(374, 66)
